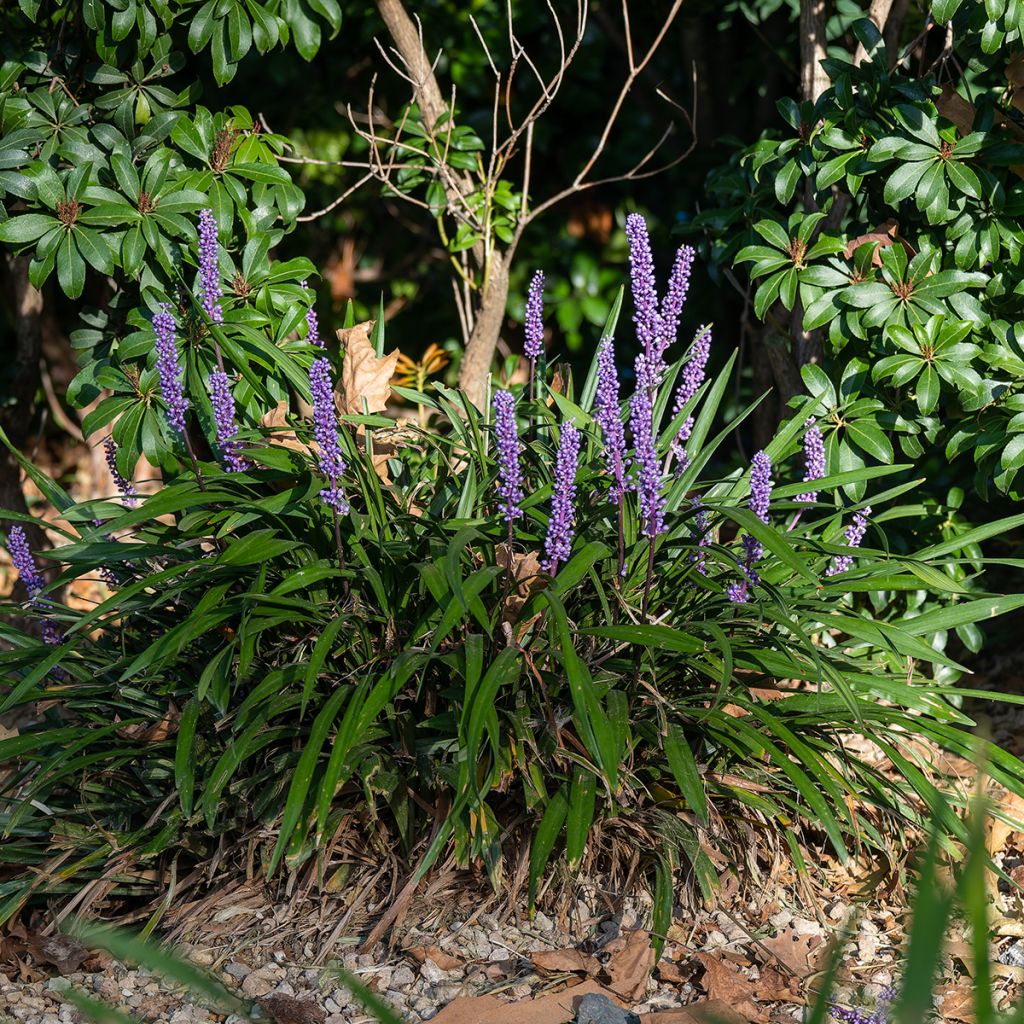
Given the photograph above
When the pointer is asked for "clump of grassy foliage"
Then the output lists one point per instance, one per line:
(284, 654)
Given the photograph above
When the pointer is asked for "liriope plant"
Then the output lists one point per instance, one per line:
(533, 620)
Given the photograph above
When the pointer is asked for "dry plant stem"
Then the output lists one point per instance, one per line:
(649, 580)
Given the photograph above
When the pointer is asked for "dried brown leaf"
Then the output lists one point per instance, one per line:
(953, 107)
(631, 965)
(730, 987)
(555, 1008)
(281, 434)
(794, 950)
(444, 960)
(557, 961)
(525, 569)
(707, 1011)
(364, 375)
(60, 951)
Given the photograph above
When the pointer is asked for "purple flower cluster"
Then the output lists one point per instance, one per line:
(224, 418)
(645, 292)
(675, 297)
(209, 270)
(558, 542)
(693, 375)
(325, 430)
(534, 325)
(647, 481)
(32, 579)
(167, 367)
(313, 323)
(854, 534)
(880, 1014)
(814, 458)
(510, 479)
(655, 327)
(606, 415)
(125, 487)
(759, 502)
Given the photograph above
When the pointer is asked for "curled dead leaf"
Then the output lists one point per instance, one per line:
(630, 965)
(364, 374)
(275, 422)
(289, 1010)
(158, 731)
(438, 956)
(526, 573)
(559, 961)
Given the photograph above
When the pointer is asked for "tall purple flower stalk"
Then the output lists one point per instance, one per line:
(608, 418)
(313, 323)
(558, 542)
(645, 292)
(647, 479)
(814, 458)
(758, 503)
(693, 374)
(534, 320)
(854, 534)
(224, 419)
(125, 487)
(510, 479)
(209, 270)
(701, 530)
(672, 303)
(170, 374)
(325, 430)
(32, 578)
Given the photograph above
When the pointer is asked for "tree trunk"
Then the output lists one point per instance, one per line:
(476, 363)
(813, 80)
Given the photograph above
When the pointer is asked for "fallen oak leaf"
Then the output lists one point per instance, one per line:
(559, 961)
(793, 950)
(441, 959)
(707, 1011)
(364, 374)
(289, 1010)
(554, 1008)
(730, 987)
(60, 951)
(630, 966)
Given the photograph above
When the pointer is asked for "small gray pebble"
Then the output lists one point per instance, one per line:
(598, 1009)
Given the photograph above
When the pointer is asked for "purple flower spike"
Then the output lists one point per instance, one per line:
(510, 480)
(606, 415)
(534, 325)
(880, 1014)
(694, 371)
(758, 503)
(854, 534)
(209, 270)
(325, 430)
(167, 367)
(32, 578)
(701, 530)
(224, 418)
(814, 458)
(558, 542)
(645, 293)
(125, 487)
(21, 556)
(648, 470)
(313, 323)
(672, 304)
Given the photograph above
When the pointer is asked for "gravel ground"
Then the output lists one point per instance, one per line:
(712, 955)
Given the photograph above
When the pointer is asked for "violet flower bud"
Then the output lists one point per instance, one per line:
(224, 419)
(644, 287)
(325, 431)
(510, 480)
(854, 534)
(32, 578)
(558, 542)
(170, 373)
(125, 487)
(209, 268)
(607, 417)
(693, 374)
(312, 322)
(672, 303)
(534, 319)
(814, 458)
(758, 503)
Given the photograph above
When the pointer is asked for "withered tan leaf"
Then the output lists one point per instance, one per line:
(364, 374)
(630, 966)
(276, 422)
(525, 569)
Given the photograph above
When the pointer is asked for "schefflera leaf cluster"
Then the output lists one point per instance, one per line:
(892, 206)
(401, 666)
